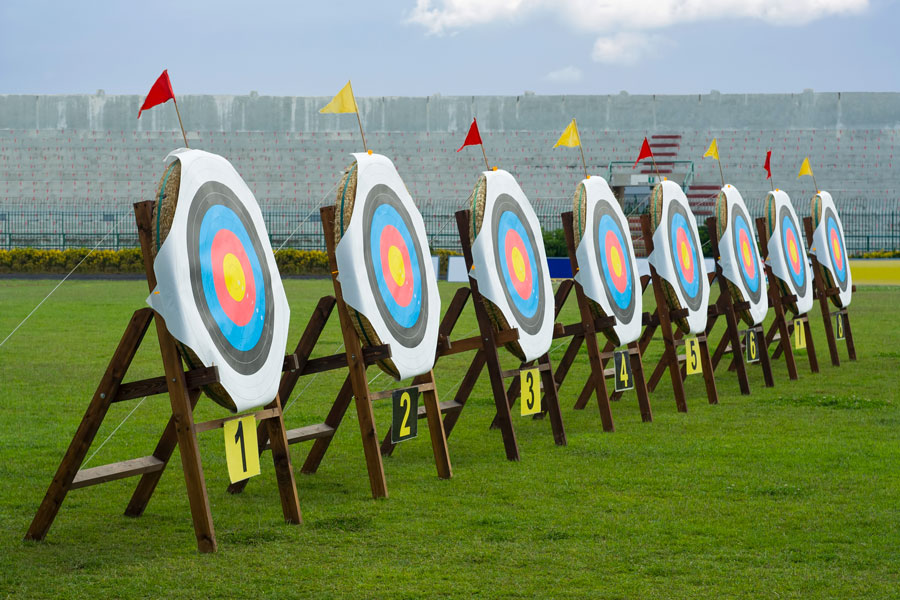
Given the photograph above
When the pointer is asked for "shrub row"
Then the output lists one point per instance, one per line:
(31, 260)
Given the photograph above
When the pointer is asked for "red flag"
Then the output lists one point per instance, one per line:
(159, 93)
(645, 152)
(766, 166)
(473, 138)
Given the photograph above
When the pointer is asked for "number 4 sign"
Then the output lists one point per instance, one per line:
(405, 421)
(531, 391)
(624, 376)
(241, 451)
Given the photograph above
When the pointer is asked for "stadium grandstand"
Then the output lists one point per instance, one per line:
(71, 166)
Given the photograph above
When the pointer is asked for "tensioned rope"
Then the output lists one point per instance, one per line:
(84, 258)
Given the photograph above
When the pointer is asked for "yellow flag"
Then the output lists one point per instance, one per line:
(344, 102)
(569, 137)
(804, 168)
(713, 150)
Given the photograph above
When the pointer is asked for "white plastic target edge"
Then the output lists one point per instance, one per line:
(589, 276)
(820, 239)
(663, 262)
(776, 256)
(173, 299)
(729, 260)
(374, 169)
(484, 269)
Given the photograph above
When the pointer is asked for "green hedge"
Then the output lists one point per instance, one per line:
(880, 254)
(30, 260)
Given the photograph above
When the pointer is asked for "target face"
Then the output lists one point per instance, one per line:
(685, 255)
(794, 256)
(746, 252)
(614, 261)
(394, 265)
(231, 284)
(836, 250)
(516, 256)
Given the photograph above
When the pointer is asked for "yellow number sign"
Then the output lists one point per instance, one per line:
(624, 376)
(839, 325)
(799, 335)
(531, 391)
(692, 355)
(241, 452)
(752, 344)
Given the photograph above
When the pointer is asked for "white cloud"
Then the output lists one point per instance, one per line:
(440, 16)
(566, 75)
(626, 48)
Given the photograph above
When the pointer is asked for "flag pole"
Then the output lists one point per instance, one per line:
(358, 120)
(655, 168)
(486, 165)
(180, 124)
(719, 160)
(814, 181)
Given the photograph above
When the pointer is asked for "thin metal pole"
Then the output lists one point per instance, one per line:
(178, 112)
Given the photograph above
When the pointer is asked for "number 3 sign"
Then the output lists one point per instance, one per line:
(531, 391)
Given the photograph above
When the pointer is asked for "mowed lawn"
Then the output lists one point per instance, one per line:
(792, 492)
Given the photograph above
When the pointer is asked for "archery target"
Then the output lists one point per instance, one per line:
(385, 270)
(218, 286)
(740, 260)
(678, 258)
(787, 254)
(607, 266)
(829, 234)
(510, 264)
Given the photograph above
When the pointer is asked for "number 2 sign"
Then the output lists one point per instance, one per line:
(405, 421)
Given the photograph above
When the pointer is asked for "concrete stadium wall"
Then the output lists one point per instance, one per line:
(72, 165)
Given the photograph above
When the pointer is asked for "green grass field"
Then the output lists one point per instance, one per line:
(792, 492)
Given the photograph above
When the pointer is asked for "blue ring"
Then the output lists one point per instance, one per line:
(405, 316)
(788, 225)
(622, 299)
(217, 218)
(831, 224)
(679, 222)
(527, 306)
(741, 225)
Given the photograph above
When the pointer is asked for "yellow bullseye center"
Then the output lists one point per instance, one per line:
(615, 261)
(685, 256)
(746, 251)
(792, 250)
(518, 263)
(395, 263)
(235, 281)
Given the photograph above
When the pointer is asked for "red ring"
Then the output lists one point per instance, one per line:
(681, 242)
(403, 293)
(239, 311)
(511, 241)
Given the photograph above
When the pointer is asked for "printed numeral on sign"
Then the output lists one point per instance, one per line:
(405, 421)
(531, 391)
(692, 355)
(241, 452)
(624, 376)
(839, 325)
(799, 335)
(751, 343)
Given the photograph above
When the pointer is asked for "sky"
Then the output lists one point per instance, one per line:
(450, 47)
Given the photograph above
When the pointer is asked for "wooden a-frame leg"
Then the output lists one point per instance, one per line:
(435, 427)
(182, 412)
(780, 325)
(709, 376)
(465, 390)
(90, 423)
(163, 451)
(848, 335)
(810, 345)
(333, 420)
(284, 471)
(764, 359)
(640, 384)
(550, 392)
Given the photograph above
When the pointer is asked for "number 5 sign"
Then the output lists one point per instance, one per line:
(692, 355)
(241, 451)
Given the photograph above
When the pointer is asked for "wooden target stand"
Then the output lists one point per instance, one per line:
(732, 342)
(782, 327)
(181, 430)
(355, 360)
(486, 346)
(823, 293)
(662, 318)
(586, 333)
